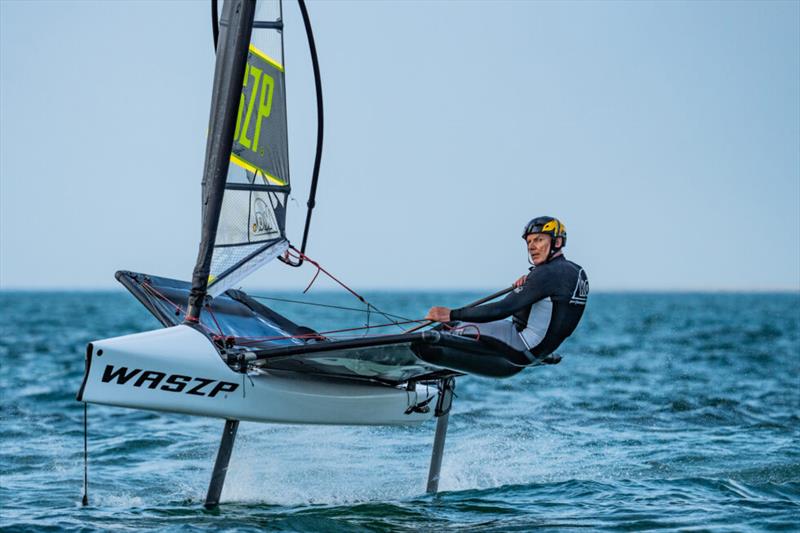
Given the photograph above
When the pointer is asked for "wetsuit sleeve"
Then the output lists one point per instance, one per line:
(530, 293)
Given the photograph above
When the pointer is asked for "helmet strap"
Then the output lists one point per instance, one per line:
(553, 249)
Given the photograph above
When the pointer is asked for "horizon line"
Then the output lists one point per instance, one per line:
(608, 290)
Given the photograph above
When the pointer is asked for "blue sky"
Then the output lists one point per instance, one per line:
(665, 135)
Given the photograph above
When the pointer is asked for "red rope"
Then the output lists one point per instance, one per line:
(301, 255)
(214, 318)
(156, 293)
(310, 283)
(463, 329)
(177, 307)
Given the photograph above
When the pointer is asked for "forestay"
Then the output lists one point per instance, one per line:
(251, 228)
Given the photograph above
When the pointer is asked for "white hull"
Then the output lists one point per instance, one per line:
(178, 370)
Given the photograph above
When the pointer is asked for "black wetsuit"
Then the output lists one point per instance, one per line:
(545, 310)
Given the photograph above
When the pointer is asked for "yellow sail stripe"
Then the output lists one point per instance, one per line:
(255, 170)
(266, 58)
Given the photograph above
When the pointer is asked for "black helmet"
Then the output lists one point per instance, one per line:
(549, 226)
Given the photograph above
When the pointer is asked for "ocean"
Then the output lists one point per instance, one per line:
(668, 411)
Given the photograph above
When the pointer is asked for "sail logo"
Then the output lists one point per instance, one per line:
(260, 143)
(151, 379)
(264, 222)
(258, 100)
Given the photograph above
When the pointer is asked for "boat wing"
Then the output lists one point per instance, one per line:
(232, 314)
(391, 361)
(383, 359)
(288, 346)
(399, 358)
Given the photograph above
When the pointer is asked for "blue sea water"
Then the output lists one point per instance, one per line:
(669, 411)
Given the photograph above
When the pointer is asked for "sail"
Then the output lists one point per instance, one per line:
(251, 228)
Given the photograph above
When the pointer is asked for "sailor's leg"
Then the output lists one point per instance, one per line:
(221, 464)
(502, 330)
(443, 404)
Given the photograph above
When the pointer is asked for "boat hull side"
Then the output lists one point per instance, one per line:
(178, 370)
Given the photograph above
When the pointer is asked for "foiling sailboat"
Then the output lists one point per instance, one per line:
(224, 354)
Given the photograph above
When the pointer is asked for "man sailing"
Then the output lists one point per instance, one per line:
(545, 305)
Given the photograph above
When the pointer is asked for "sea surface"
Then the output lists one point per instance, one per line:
(669, 411)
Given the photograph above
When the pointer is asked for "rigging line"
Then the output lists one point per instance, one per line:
(327, 305)
(310, 283)
(320, 268)
(301, 255)
(154, 292)
(387, 316)
(463, 329)
(311, 335)
(214, 318)
(336, 338)
(85, 500)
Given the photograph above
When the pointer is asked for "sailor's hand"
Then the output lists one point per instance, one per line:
(520, 282)
(438, 314)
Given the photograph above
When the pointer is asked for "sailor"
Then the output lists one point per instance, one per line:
(545, 305)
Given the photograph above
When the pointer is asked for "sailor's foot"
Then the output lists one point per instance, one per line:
(552, 359)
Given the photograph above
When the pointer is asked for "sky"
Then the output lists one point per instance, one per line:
(665, 135)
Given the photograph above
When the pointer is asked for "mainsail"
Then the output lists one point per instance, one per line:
(245, 228)
(251, 227)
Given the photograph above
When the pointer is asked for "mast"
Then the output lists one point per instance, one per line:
(236, 26)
